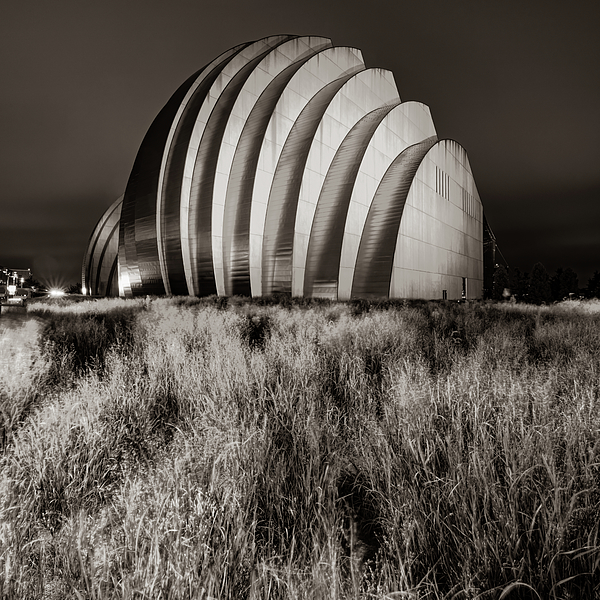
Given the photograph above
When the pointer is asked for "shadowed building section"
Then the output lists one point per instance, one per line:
(100, 265)
(172, 228)
(287, 166)
(138, 246)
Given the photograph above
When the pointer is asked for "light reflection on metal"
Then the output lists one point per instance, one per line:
(440, 244)
(373, 271)
(391, 137)
(99, 264)
(325, 244)
(241, 186)
(323, 68)
(172, 225)
(287, 166)
(274, 68)
(366, 91)
(205, 218)
(283, 199)
(138, 245)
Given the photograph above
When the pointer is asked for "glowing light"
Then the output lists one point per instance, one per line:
(55, 293)
(83, 290)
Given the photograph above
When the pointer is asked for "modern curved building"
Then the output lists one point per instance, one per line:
(287, 166)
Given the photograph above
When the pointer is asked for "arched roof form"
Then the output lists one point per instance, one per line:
(405, 125)
(440, 238)
(229, 217)
(327, 233)
(305, 159)
(201, 162)
(286, 165)
(172, 221)
(282, 207)
(373, 271)
(326, 67)
(363, 93)
(101, 255)
(138, 247)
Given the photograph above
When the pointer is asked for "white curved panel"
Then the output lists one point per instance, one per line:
(440, 240)
(238, 62)
(320, 70)
(405, 125)
(361, 94)
(160, 200)
(223, 217)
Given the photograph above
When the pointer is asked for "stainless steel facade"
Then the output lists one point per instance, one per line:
(100, 272)
(288, 166)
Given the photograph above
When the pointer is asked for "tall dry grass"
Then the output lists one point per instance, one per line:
(192, 448)
(23, 366)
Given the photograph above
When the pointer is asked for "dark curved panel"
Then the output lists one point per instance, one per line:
(373, 273)
(112, 285)
(241, 183)
(106, 261)
(88, 273)
(278, 238)
(102, 236)
(173, 179)
(138, 245)
(203, 179)
(327, 233)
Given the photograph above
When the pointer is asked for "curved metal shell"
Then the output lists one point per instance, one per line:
(201, 164)
(440, 240)
(282, 209)
(99, 270)
(319, 71)
(286, 166)
(274, 68)
(327, 234)
(374, 263)
(138, 247)
(172, 223)
(405, 125)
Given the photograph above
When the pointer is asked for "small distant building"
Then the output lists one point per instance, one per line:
(13, 285)
(287, 166)
(14, 276)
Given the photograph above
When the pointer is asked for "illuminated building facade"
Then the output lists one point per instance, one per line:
(287, 166)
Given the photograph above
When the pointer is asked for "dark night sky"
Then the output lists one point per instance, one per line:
(516, 82)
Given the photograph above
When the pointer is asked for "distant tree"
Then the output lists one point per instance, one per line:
(563, 283)
(74, 288)
(570, 282)
(556, 283)
(500, 283)
(593, 286)
(524, 287)
(519, 284)
(539, 285)
(31, 282)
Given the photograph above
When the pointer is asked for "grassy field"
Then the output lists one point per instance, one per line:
(186, 448)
